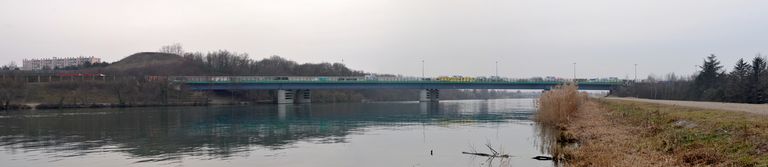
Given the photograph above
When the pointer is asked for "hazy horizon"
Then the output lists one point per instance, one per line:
(454, 37)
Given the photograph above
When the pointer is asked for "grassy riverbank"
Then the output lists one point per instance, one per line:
(625, 133)
(692, 136)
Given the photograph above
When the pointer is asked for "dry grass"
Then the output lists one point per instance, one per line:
(696, 137)
(750, 108)
(626, 133)
(603, 141)
(584, 132)
(556, 107)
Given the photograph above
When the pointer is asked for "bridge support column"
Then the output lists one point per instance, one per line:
(284, 96)
(429, 95)
(303, 96)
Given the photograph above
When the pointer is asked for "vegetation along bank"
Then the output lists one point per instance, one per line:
(615, 132)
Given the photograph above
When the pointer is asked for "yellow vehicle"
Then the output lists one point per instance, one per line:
(456, 79)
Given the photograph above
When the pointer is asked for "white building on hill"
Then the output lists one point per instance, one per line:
(53, 63)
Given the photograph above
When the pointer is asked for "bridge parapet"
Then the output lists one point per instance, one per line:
(368, 79)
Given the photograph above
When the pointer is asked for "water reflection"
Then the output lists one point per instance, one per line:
(547, 140)
(167, 134)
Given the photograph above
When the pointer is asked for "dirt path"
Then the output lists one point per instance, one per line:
(751, 108)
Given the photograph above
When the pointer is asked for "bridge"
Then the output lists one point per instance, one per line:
(297, 89)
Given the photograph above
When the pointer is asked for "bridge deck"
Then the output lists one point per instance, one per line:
(356, 82)
(396, 82)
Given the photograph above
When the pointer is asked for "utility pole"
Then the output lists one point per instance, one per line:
(574, 72)
(497, 69)
(635, 72)
(422, 69)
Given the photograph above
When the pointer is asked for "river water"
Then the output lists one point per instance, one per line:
(339, 135)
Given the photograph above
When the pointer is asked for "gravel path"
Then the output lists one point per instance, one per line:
(751, 108)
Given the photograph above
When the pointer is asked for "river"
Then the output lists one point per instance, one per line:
(339, 135)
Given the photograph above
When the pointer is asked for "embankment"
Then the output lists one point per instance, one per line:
(744, 107)
(610, 132)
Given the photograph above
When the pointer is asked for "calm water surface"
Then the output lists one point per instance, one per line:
(338, 135)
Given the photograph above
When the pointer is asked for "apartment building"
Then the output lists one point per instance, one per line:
(53, 63)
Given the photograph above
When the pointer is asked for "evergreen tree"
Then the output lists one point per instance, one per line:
(738, 82)
(708, 81)
(757, 93)
(747, 83)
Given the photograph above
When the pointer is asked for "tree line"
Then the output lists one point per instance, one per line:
(137, 81)
(10, 67)
(224, 62)
(747, 82)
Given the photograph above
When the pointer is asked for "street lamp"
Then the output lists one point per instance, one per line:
(635, 72)
(497, 69)
(574, 72)
(422, 69)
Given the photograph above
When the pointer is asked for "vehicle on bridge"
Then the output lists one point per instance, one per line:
(347, 79)
(489, 79)
(456, 79)
(371, 77)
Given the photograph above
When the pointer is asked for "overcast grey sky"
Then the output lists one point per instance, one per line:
(455, 37)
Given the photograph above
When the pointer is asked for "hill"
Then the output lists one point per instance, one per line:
(143, 59)
(153, 63)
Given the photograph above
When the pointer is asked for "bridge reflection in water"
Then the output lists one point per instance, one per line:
(158, 134)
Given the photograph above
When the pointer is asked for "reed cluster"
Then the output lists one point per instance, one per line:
(557, 106)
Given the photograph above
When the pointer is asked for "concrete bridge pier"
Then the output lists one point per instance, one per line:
(300, 96)
(429, 95)
(284, 96)
(303, 96)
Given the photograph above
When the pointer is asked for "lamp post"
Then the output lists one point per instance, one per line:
(574, 72)
(635, 72)
(497, 69)
(422, 69)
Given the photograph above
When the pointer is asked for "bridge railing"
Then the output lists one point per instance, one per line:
(362, 79)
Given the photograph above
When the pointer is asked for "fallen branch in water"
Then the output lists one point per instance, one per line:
(494, 153)
(487, 155)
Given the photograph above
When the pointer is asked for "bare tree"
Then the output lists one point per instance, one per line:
(10, 90)
(176, 49)
(10, 66)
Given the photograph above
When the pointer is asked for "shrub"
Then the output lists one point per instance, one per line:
(559, 104)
